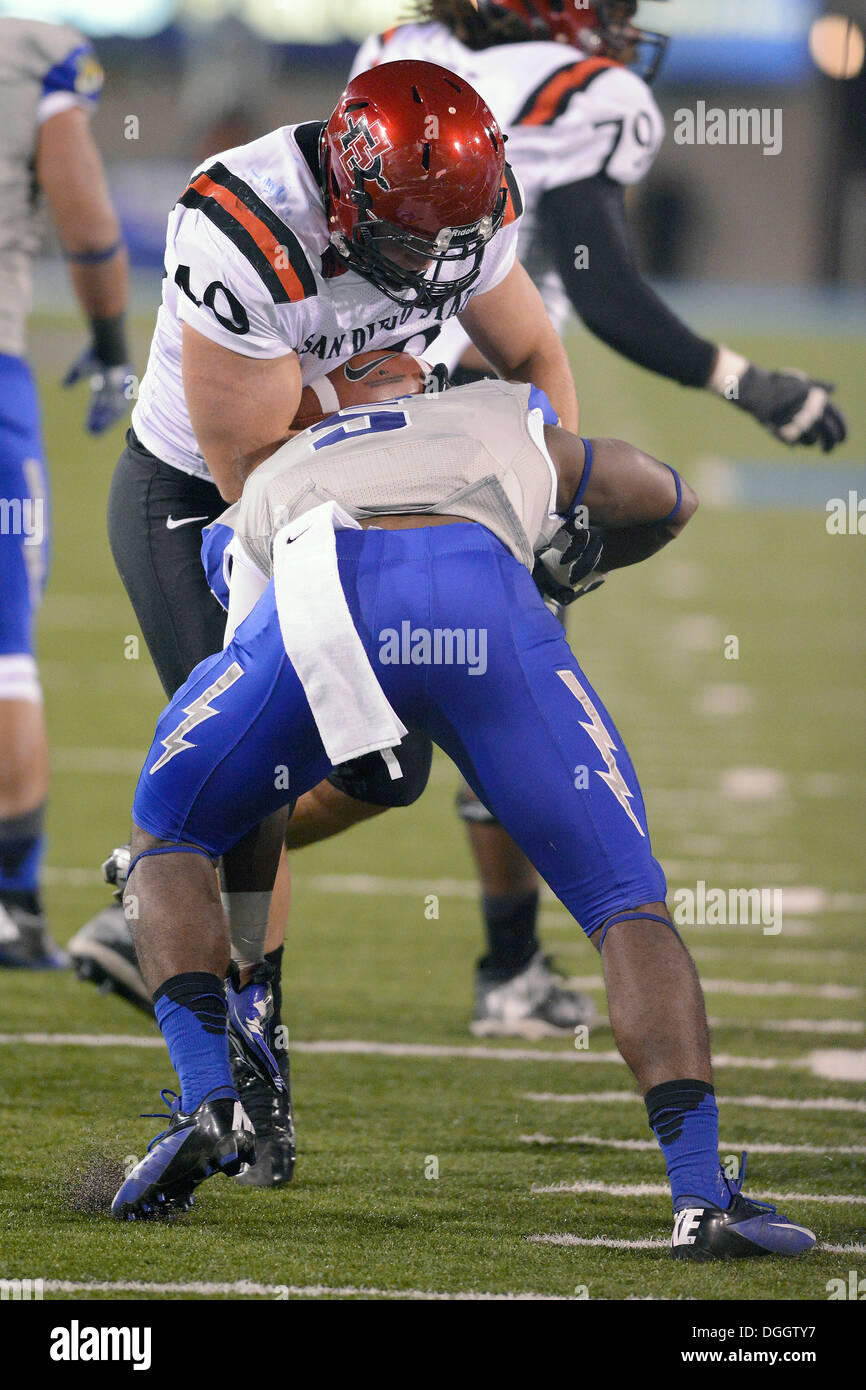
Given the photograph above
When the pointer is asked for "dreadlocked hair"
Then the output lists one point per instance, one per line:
(474, 29)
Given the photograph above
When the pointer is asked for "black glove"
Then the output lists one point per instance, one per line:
(567, 569)
(794, 407)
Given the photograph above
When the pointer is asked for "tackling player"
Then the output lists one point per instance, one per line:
(570, 85)
(352, 546)
(285, 258)
(50, 82)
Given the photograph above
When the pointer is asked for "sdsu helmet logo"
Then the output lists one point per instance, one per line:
(362, 147)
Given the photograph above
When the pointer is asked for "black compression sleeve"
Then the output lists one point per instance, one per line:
(610, 294)
(629, 545)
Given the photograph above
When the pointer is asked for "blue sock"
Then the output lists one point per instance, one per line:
(21, 845)
(685, 1119)
(192, 1014)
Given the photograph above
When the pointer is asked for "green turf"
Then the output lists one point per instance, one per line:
(371, 966)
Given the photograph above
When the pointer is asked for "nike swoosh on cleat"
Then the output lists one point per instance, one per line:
(172, 525)
(358, 373)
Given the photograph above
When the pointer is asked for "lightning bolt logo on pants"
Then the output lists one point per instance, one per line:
(612, 778)
(196, 713)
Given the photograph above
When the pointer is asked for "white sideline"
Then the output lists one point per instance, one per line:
(659, 1189)
(351, 1047)
(659, 1243)
(754, 1102)
(245, 1288)
(725, 1146)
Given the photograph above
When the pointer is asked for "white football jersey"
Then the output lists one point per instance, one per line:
(567, 117)
(248, 264)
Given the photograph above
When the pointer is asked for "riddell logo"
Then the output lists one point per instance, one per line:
(77, 1343)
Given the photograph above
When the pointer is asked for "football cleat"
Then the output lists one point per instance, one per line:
(251, 1010)
(217, 1137)
(703, 1231)
(270, 1111)
(533, 1004)
(26, 943)
(103, 953)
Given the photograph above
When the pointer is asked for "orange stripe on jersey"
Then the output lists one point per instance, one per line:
(550, 99)
(274, 251)
(514, 205)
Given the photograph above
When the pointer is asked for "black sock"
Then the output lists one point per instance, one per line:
(275, 959)
(21, 845)
(27, 901)
(509, 920)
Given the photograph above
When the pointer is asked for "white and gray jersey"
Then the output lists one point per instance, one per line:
(476, 452)
(44, 69)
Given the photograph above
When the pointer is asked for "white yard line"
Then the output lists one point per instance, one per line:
(792, 1025)
(725, 1146)
(659, 1243)
(354, 1047)
(750, 1102)
(245, 1288)
(759, 989)
(805, 899)
(658, 1189)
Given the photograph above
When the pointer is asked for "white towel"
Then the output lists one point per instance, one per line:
(350, 708)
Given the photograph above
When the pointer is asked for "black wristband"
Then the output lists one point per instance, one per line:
(109, 341)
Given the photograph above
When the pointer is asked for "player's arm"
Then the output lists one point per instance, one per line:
(510, 327)
(240, 407)
(69, 171)
(631, 506)
(609, 292)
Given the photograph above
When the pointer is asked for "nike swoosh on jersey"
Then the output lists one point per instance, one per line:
(358, 373)
(172, 525)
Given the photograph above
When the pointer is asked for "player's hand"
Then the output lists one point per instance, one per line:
(109, 401)
(567, 569)
(795, 407)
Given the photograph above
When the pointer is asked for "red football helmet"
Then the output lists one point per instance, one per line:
(599, 27)
(413, 167)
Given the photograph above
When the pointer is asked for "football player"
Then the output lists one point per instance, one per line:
(50, 83)
(352, 546)
(285, 258)
(570, 83)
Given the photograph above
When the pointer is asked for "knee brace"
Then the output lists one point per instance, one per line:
(629, 915)
(371, 779)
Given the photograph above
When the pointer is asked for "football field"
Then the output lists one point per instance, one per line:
(431, 1164)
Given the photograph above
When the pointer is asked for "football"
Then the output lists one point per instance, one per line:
(369, 376)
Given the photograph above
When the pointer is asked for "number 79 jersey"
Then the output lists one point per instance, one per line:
(567, 116)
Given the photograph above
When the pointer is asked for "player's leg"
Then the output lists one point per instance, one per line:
(24, 546)
(195, 798)
(155, 518)
(156, 514)
(535, 741)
